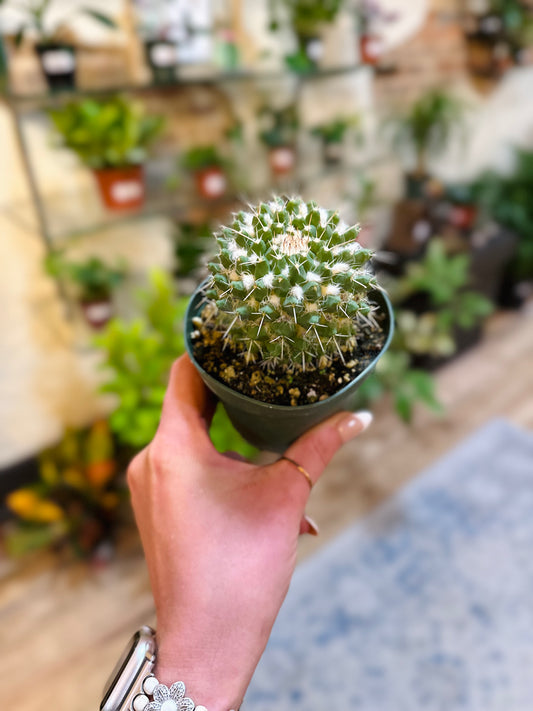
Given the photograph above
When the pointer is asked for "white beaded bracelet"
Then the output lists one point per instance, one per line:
(163, 697)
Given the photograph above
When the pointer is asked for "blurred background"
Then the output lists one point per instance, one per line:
(130, 130)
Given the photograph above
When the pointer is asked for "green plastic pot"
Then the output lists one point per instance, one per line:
(275, 427)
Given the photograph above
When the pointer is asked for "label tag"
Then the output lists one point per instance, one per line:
(282, 158)
(58, 61)
(214, 184)
(99, 312)
(126, 190)
(315, 49)
(163, 55)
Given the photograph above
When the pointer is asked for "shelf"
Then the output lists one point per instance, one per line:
(78, 210)
(31, 101)
(76, 213)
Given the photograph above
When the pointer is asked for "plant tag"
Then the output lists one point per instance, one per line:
(374, 47)
(126, 190)
(214, 184)
(315, 49)
(163, 55)
(99, 312)
(282, 158)
(58, 61)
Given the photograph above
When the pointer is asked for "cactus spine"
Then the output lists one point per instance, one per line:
(290, 285)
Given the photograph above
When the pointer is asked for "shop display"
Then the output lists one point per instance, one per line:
(54, 47)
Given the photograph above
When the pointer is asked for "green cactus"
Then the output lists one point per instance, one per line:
(290, 285)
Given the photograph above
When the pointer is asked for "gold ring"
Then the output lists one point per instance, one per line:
(300, 469)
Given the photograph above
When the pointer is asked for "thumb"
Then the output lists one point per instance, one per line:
(314, 450)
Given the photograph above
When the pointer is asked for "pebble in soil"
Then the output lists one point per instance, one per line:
(281, 385)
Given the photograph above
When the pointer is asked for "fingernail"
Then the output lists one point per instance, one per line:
(352, 425)
(313, 528)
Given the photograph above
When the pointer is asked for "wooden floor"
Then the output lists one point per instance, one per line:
(62, 628)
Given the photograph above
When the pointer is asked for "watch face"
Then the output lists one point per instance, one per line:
(138, 657)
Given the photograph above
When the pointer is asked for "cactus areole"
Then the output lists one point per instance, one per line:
(288, 315)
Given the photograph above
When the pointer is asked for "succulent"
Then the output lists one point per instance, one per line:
(291, 284)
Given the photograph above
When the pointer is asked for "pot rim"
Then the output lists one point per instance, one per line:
(286, 408)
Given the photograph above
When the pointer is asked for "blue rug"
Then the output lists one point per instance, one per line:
(426, 605)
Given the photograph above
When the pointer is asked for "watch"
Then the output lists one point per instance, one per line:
(133, 687)
(126, 681)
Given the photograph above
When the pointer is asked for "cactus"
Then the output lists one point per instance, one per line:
(290, 286)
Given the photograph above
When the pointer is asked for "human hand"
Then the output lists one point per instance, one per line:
(220, 538)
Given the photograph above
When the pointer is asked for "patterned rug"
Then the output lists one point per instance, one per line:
(426, 605)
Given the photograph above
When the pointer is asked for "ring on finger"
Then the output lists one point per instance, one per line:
(301, 470)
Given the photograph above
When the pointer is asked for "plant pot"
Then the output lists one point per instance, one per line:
(275, 427)
(463, 217)
(162, 58)
(211, 183)
(97, 311)
(282, 160)
(58, 62)
(332, 152)
(416, 185)
(121, 188)
(370, 49)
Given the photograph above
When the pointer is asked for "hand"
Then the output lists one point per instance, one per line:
(220, 538)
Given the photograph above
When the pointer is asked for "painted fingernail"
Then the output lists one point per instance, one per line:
(313, 528)
(352, 425)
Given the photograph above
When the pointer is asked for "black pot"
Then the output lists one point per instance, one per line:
(58, 62)
(332, 152)
(275, 427)
(162, 59)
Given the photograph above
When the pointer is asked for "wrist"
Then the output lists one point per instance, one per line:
(209, 680)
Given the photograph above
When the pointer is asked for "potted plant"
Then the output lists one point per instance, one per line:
(112, 137)
(506, 199)
(137, 358)
(95, 282)
(368, 13)
(332, 135)
(192, 240)
(425, 129)
(278, 134)
(290, 321)
(56, 52)
(307, 18)
(162, 57)
(208, 167)
(496, 38)
(76, 502)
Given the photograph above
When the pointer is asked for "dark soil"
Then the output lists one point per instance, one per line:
(279, 385)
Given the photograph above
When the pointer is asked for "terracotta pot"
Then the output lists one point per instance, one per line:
(463, 216)
(275, 427)
(282, 160)
(371, 49)
(211, 183)
(121, 188)
(97, 312)
(58, 62)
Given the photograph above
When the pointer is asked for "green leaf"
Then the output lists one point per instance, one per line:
(99, 17)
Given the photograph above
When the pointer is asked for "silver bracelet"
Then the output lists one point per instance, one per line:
(164, 698)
